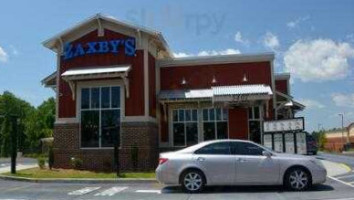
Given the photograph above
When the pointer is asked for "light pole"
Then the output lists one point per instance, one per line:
(342, 116)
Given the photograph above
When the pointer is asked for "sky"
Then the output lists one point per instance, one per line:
(313, 40)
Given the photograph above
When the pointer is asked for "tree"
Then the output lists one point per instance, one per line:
(11, 105)
(39, 124)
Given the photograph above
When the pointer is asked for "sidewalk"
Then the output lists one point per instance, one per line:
(335, 169)
(18, 167)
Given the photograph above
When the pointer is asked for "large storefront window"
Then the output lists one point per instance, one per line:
(100, 116)
(185, 127)
(215, 123)
(254, 124)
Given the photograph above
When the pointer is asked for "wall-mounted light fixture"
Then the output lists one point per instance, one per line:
(214, 80)
(183, 82)
(244, 79)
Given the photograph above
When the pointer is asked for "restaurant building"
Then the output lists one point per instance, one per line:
(117, 82)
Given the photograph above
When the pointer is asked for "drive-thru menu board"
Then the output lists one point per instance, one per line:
(285, 135)
(296, 124)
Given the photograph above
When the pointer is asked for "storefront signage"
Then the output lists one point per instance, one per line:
(296, 124)
(99, 47)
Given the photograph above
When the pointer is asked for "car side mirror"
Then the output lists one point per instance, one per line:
(267, 154)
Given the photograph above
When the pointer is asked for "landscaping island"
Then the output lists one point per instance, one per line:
(77, 174)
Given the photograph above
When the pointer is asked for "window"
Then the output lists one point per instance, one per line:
(220, 148)
(100, 116)
(254, 124)
(185, 127)
(245, 148)
(215, 123)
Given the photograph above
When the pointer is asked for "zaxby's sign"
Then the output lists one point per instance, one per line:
(99, 47)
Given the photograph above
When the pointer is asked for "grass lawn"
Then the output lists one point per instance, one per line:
(70, 173)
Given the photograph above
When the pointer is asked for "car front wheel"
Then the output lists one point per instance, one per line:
(298, 179)
(193, 181)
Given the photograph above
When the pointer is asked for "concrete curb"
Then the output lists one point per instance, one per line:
(79, 180)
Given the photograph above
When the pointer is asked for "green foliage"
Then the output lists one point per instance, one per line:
(41, 162)
(76, 163)
(40, 123)
(50, 158)
(320, 138)
(33, 123)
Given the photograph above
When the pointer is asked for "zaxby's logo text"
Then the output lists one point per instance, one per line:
(100, 47)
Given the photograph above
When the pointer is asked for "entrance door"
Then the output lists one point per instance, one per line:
(254, 124)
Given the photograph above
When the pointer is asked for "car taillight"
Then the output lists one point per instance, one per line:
(162, 161)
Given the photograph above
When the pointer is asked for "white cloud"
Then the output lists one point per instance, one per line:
(240, 39)
(343, 100)
(271, 41)
(181, 55)
(3, 55)
(296, 22)
(223, 52)
(311, 104)
(208, 53)
(318, 60)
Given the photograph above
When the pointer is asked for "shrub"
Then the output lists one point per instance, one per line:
(50, 158)
(41, 162)
(76, 163)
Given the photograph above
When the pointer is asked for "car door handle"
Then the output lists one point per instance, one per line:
(201, 159)
(241, 160)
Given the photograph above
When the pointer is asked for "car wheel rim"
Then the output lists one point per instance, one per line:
(193, 181)
(298, 179)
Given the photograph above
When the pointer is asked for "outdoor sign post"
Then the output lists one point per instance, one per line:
(116, 153)
(13, 143)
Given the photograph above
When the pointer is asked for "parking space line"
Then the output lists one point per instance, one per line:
(111, 191)
(346, 176)
(149, 191)
(83, 191)
(343, 182)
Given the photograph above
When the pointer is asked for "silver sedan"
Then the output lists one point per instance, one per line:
(237, 162)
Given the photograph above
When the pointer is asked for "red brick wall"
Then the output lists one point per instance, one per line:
(282, 86)
(238, 123)
(152, 86)
(226, 74)
(143, 135)
(134, 105)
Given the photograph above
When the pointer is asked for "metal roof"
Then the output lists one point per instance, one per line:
(97, 70)
(242, 89)
(215, 91)
(186, 94)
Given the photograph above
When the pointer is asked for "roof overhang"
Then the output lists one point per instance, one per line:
(282, 76)
(218, 59)
(228, 94)
(289, 102)
(50, 81)
(79, 74)
(96, 21)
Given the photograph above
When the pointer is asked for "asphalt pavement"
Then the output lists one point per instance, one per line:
(346, 178)
(336, 187)
(54, 191)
